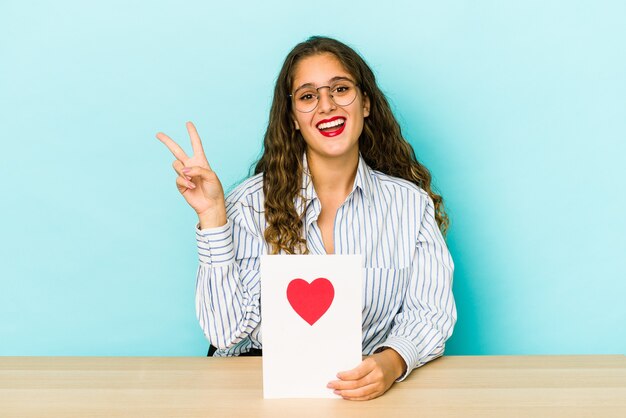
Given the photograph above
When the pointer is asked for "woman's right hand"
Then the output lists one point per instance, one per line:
(196, 181)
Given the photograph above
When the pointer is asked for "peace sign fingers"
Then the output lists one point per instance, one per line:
(196, 143)
(198, 157)
(198, 184)
(172, 146)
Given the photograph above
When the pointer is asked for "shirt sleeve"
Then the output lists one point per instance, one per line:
(428, 313)
(227, 286)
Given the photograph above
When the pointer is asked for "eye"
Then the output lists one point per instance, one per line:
(341, 89)
(307, 96)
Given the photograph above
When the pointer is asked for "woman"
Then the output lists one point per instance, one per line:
(336, 176)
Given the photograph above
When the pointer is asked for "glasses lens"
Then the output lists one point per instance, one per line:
(305, 99)
(342, 93)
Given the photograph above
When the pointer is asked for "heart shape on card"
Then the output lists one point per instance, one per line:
(310, 300)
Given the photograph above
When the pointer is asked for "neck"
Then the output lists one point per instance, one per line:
(333, 177)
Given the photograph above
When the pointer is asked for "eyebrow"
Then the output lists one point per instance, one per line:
(332, 80)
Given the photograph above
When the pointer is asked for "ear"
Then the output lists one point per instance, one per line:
(366, 105)
(297, 126)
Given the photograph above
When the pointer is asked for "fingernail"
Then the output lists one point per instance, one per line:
(186, 170)
(337, 392)
(188, 178)
(329, 386)
(191, 185)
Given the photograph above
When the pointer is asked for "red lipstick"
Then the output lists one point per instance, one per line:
(332, 132)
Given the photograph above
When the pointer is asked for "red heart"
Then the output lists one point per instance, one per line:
(310, 301)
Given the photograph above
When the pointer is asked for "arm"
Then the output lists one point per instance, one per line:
(227, 287)
(420, 328)
(428, 313)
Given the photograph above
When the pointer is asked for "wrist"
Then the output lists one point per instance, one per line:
(398, 365)
(212, 218)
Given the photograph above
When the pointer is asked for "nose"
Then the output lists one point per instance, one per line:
(325, 101)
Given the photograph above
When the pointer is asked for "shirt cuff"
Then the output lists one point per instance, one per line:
(215, 245)
(407, 350)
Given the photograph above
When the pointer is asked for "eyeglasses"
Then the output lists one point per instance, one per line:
(342, 92)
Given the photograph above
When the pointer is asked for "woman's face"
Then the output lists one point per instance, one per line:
(329, 130)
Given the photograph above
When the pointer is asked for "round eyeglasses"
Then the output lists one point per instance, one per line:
(306, 98)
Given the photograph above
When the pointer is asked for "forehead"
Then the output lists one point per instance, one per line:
(318, 70)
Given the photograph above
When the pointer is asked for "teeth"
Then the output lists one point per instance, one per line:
(332, 124)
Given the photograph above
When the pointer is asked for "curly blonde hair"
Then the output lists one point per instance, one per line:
(381, 145)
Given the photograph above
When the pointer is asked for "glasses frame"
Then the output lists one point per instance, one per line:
(356, 85)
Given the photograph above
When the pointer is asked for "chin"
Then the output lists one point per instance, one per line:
(335, 152)
(332, 147)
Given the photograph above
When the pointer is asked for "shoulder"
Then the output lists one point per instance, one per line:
(247, 191)
(398, 187)
(407, 199)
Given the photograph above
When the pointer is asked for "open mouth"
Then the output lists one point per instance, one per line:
(331, 127)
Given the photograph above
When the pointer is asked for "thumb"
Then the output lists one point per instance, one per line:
(201, 172)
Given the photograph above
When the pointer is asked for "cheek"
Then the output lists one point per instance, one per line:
(360, 119)
(306, 123)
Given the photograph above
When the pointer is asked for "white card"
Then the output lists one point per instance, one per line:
(311, 322)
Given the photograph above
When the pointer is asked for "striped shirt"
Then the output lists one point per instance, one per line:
(407, 289)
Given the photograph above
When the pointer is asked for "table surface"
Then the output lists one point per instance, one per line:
(451, 386)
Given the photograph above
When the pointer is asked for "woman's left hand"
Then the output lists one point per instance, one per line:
(370, 379)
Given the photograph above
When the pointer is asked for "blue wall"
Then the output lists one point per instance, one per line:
(518, 109)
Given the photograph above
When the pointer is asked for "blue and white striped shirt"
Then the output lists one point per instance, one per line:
(407, 290)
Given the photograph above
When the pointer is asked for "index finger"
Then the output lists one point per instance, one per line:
(196, 143)
(173, 146)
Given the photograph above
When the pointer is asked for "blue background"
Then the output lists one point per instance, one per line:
(517, 108)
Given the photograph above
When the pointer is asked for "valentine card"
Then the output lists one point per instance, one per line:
(311, 322)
